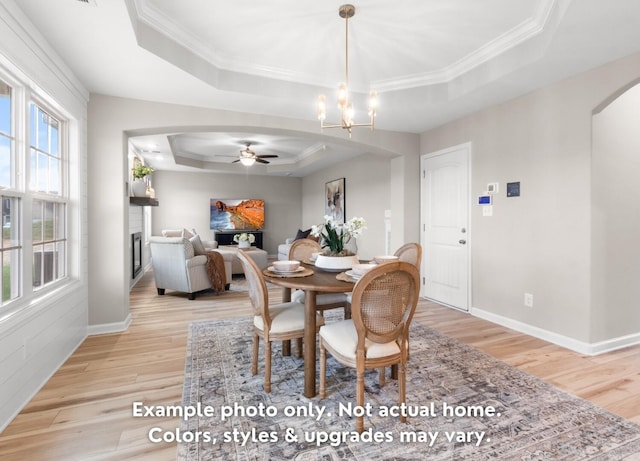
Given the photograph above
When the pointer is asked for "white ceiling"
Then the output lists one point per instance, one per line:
(431, 61)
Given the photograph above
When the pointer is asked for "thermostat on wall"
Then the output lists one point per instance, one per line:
(513, 189)
(484, 199)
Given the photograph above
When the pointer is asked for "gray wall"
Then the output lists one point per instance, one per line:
(290, 203)
(367, 191)
(541, 242)
(184, 202)
(615, 196)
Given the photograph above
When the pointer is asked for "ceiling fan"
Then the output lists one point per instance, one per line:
(249, 157)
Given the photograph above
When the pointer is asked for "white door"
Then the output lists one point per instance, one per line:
(445, 226)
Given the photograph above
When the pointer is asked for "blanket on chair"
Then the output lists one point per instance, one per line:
(216, 271)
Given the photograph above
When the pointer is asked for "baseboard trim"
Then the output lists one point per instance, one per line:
(580, 347)
(615, 344)
(104, 328)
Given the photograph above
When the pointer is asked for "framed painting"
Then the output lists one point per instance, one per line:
(335, 200)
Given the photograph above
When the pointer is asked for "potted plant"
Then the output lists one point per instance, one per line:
(334, 237)
(141, 170)
(244, 240)
(139, 185)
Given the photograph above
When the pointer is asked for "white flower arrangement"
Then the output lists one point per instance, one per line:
(335, 236)
(244, 237)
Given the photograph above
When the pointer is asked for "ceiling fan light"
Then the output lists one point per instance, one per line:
(247, 161)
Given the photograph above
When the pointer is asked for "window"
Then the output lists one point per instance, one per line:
(11, 249)
(6, 138)
(45, 152)
(48, 231)
(33, 193)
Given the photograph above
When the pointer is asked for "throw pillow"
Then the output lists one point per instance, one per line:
(188, 249)
(187, 234)
(198, 247)
(302, 234)
(172, 233)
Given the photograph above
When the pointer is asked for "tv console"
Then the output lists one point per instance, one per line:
(226, 237)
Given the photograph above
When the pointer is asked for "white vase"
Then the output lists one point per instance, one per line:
(139, 188)
(336, 263)
(244, 244)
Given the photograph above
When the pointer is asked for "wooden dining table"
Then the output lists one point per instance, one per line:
(319, 282)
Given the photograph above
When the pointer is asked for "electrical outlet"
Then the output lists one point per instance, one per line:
(528, 299)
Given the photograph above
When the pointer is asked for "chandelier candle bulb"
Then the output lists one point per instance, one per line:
(373, 105)
(322, 107)
(343, 96)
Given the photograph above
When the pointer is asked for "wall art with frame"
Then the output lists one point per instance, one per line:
(335, 200)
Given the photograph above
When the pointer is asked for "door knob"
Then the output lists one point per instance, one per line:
(462, 242)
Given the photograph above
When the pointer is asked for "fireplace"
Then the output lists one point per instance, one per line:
(136, 254)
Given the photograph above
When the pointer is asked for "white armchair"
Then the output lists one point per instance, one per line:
(208, 244)
(283, 249)
(177, 267)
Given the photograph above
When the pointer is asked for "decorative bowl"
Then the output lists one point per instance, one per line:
(336, 263)
(315, 255)
(384, 258)
(361, 269)
(286, 266)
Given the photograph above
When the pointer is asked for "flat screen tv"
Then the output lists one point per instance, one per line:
(237, 214)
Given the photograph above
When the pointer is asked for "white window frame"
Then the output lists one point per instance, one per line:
(22, 97)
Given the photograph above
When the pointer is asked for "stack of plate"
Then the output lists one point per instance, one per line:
(285, 272)
(359, 270)
(285, 267)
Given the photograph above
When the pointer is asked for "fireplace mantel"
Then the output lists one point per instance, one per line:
(143, 201)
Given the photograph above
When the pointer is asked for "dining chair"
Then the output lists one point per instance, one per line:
(301, 250)
(383, 303)
(279, 322)
(411, 253)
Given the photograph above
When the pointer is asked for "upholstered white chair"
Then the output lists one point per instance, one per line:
(177, 267)
(191, 234)
(301, 250)
(283, 248)
(382, 307)
(279, 322)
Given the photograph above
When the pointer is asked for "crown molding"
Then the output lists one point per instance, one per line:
(527, 30)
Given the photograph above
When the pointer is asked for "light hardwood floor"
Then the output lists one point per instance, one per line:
(84, 412)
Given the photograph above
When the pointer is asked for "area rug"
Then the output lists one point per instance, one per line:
(463, 405)
(239, 283)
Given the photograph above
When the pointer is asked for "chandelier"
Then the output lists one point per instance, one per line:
(344, 103)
